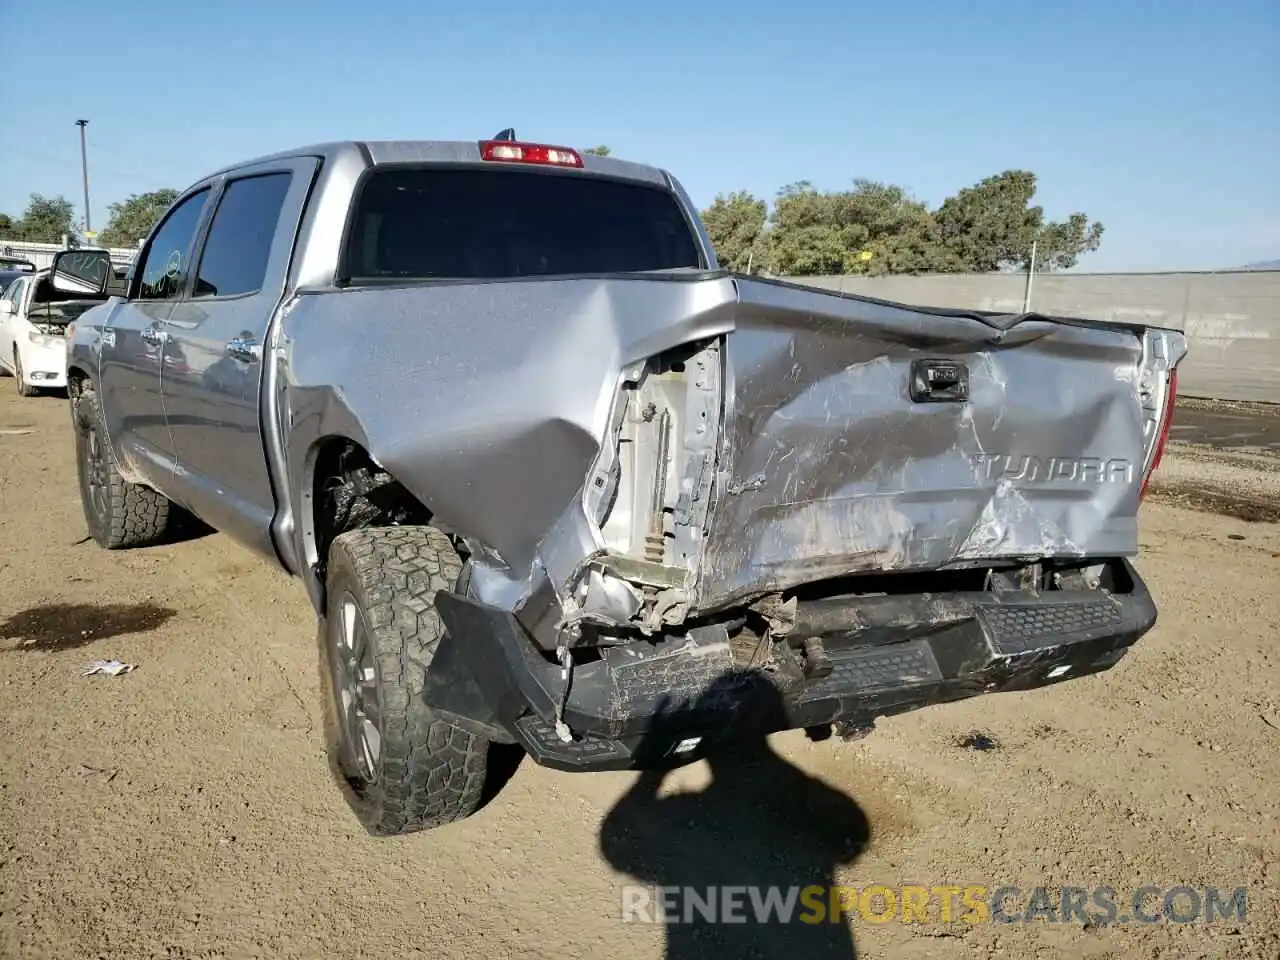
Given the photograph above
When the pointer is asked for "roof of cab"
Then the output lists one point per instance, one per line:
(378, 152)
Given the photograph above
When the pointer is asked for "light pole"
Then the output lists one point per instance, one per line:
(84, 169)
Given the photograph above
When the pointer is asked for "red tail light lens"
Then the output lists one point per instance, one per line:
(506, 151)
(1166, 422)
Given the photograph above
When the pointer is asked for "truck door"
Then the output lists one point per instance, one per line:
(133, 346)
(217, 335)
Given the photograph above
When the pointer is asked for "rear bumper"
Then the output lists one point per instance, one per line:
(887, 655)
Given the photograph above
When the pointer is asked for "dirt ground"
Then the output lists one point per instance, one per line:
(185, 810)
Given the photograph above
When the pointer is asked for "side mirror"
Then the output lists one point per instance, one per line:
(80, 275)
(6, 308)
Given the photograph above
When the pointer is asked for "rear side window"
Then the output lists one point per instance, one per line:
(235, 256)
(426, 224)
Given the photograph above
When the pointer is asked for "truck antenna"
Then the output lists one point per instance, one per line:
(508, 134)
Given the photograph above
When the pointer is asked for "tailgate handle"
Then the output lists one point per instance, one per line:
(939, 381)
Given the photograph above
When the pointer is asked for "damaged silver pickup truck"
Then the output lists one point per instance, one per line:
(558, 485)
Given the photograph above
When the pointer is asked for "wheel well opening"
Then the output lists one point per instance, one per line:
(76, 379)
(351, 491)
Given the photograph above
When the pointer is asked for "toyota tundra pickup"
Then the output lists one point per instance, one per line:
(557, 484)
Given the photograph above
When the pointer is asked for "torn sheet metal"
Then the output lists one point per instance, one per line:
(832, 469)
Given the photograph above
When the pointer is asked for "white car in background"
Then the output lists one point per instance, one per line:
(32, 335)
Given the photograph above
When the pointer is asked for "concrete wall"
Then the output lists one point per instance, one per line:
(1232, 320)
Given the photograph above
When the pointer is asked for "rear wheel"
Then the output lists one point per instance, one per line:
(401, 766)
(24, 390)
(118, 513)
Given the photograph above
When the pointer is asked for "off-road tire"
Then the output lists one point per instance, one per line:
(429, 772)
(24, 388)
(128, 514)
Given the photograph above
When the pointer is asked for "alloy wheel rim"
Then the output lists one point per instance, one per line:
(356, 687)
(97, 474)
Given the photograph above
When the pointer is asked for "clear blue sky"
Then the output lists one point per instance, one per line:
(1159, 117)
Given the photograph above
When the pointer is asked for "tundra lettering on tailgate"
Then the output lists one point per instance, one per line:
(1032, 469)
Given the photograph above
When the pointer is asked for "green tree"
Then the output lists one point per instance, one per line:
(1060, 245)
(7, 225)
(805, 238)
(132, 220)
(878, 228)
(892, 231)
(601, 151)
(46, 220)
(993, 224)
(735, 224)
(875, 228)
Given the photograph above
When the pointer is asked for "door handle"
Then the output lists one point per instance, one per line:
(243, 348)
(153, 336)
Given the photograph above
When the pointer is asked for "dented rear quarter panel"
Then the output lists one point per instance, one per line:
(488, 401)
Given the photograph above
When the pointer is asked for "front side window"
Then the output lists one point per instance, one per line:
(166, 263)
(424, 223)
(235, 256)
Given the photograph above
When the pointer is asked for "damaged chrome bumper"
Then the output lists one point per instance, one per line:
(858, 658)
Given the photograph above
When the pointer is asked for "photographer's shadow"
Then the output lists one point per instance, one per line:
(762, 823)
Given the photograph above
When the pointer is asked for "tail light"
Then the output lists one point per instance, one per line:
(1166, 421)
(1163, 351)
(508, 151)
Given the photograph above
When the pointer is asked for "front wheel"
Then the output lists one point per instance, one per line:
(401, 766)
(118, 513)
